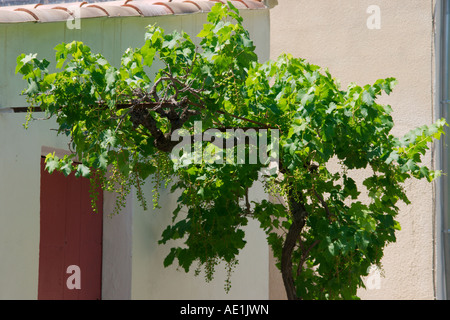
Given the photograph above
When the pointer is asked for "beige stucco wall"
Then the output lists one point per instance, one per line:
(334, 34)
(132, 261)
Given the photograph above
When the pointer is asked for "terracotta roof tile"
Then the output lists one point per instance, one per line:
(115, 11)
(146, 9)
(89, 12)
(202, 5)
(15, 16)
(46, 15)
(179, 7)
(91, 9)
(60, 5)
(251, 4)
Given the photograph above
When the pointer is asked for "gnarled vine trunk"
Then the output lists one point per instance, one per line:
(298, 213)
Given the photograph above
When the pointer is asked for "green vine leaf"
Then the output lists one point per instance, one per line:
(126, 130)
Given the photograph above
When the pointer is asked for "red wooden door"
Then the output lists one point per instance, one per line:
(70, 238)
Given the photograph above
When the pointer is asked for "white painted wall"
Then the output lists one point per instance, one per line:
(20, 152)
(132, 261)
(150, 280)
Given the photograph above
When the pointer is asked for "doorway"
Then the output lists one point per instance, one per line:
(70, 248)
